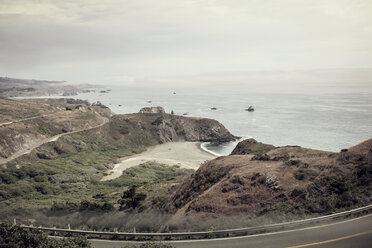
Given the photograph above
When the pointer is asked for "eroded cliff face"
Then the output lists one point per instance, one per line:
(279, 184)
(179, 128)
(167, 128)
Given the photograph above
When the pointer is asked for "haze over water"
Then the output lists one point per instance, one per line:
(123, 42)
(325, 121)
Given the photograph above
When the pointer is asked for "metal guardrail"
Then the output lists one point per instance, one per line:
(204, 234)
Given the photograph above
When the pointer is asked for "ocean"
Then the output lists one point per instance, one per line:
(324, 121)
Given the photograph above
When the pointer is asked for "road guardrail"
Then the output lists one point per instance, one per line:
(203, 234)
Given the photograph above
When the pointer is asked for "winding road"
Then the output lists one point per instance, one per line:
(44, 141)
(25, 119)
(355, 232)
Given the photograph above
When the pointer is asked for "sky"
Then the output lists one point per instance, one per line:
(112, 41)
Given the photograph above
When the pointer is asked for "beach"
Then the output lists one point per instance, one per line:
(185, 154)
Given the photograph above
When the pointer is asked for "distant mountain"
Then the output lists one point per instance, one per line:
(11, 87)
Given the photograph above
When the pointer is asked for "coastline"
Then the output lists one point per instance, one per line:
(189, 155)
(202, 147)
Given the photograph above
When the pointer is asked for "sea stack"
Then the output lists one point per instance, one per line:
(250, 109)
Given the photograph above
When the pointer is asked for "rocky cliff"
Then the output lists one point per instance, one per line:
(179, 128)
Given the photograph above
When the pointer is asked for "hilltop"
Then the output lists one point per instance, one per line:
(265, 184)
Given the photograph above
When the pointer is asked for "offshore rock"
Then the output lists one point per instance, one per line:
(250, 109)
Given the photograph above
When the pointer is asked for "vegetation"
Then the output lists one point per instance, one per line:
(60, 184)
(251, 146)
(39, 192)
(17, 237)
(330, 189)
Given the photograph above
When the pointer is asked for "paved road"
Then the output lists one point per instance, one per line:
(349, 233)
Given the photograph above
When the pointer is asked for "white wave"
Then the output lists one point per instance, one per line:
(202, 146)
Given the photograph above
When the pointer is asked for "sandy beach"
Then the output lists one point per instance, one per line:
(185, 154)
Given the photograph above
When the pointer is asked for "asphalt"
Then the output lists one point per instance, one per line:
(355, 232)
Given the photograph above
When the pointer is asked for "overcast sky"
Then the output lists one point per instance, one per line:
(119, 41)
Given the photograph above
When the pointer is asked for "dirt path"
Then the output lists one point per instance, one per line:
(44, 141)
(25, 119)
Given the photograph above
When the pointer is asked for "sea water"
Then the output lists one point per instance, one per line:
(324, 121)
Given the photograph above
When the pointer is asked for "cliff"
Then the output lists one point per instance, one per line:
(179, 128)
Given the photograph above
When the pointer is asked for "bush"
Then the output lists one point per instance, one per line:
(293, 162)
(298, 193)
(17, 237)
(7, 178)
(131, 199)
(263, 157)
(303, 174)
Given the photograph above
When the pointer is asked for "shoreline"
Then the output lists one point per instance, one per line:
(202, 147)
(189, 155)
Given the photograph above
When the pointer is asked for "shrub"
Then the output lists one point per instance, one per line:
(303, 174)
(263, 157)
(298, 193)
(293, 162)
(17, 237)
(131, 199)
(7, 178)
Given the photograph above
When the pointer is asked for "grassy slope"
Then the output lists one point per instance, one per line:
(286, 183)
(60, 180)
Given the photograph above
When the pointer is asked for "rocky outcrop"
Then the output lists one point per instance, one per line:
(77, 101)
(168, 127)
(173, 128)
(97, 103)
(251, 146)
(250, 109)
(152, 110)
